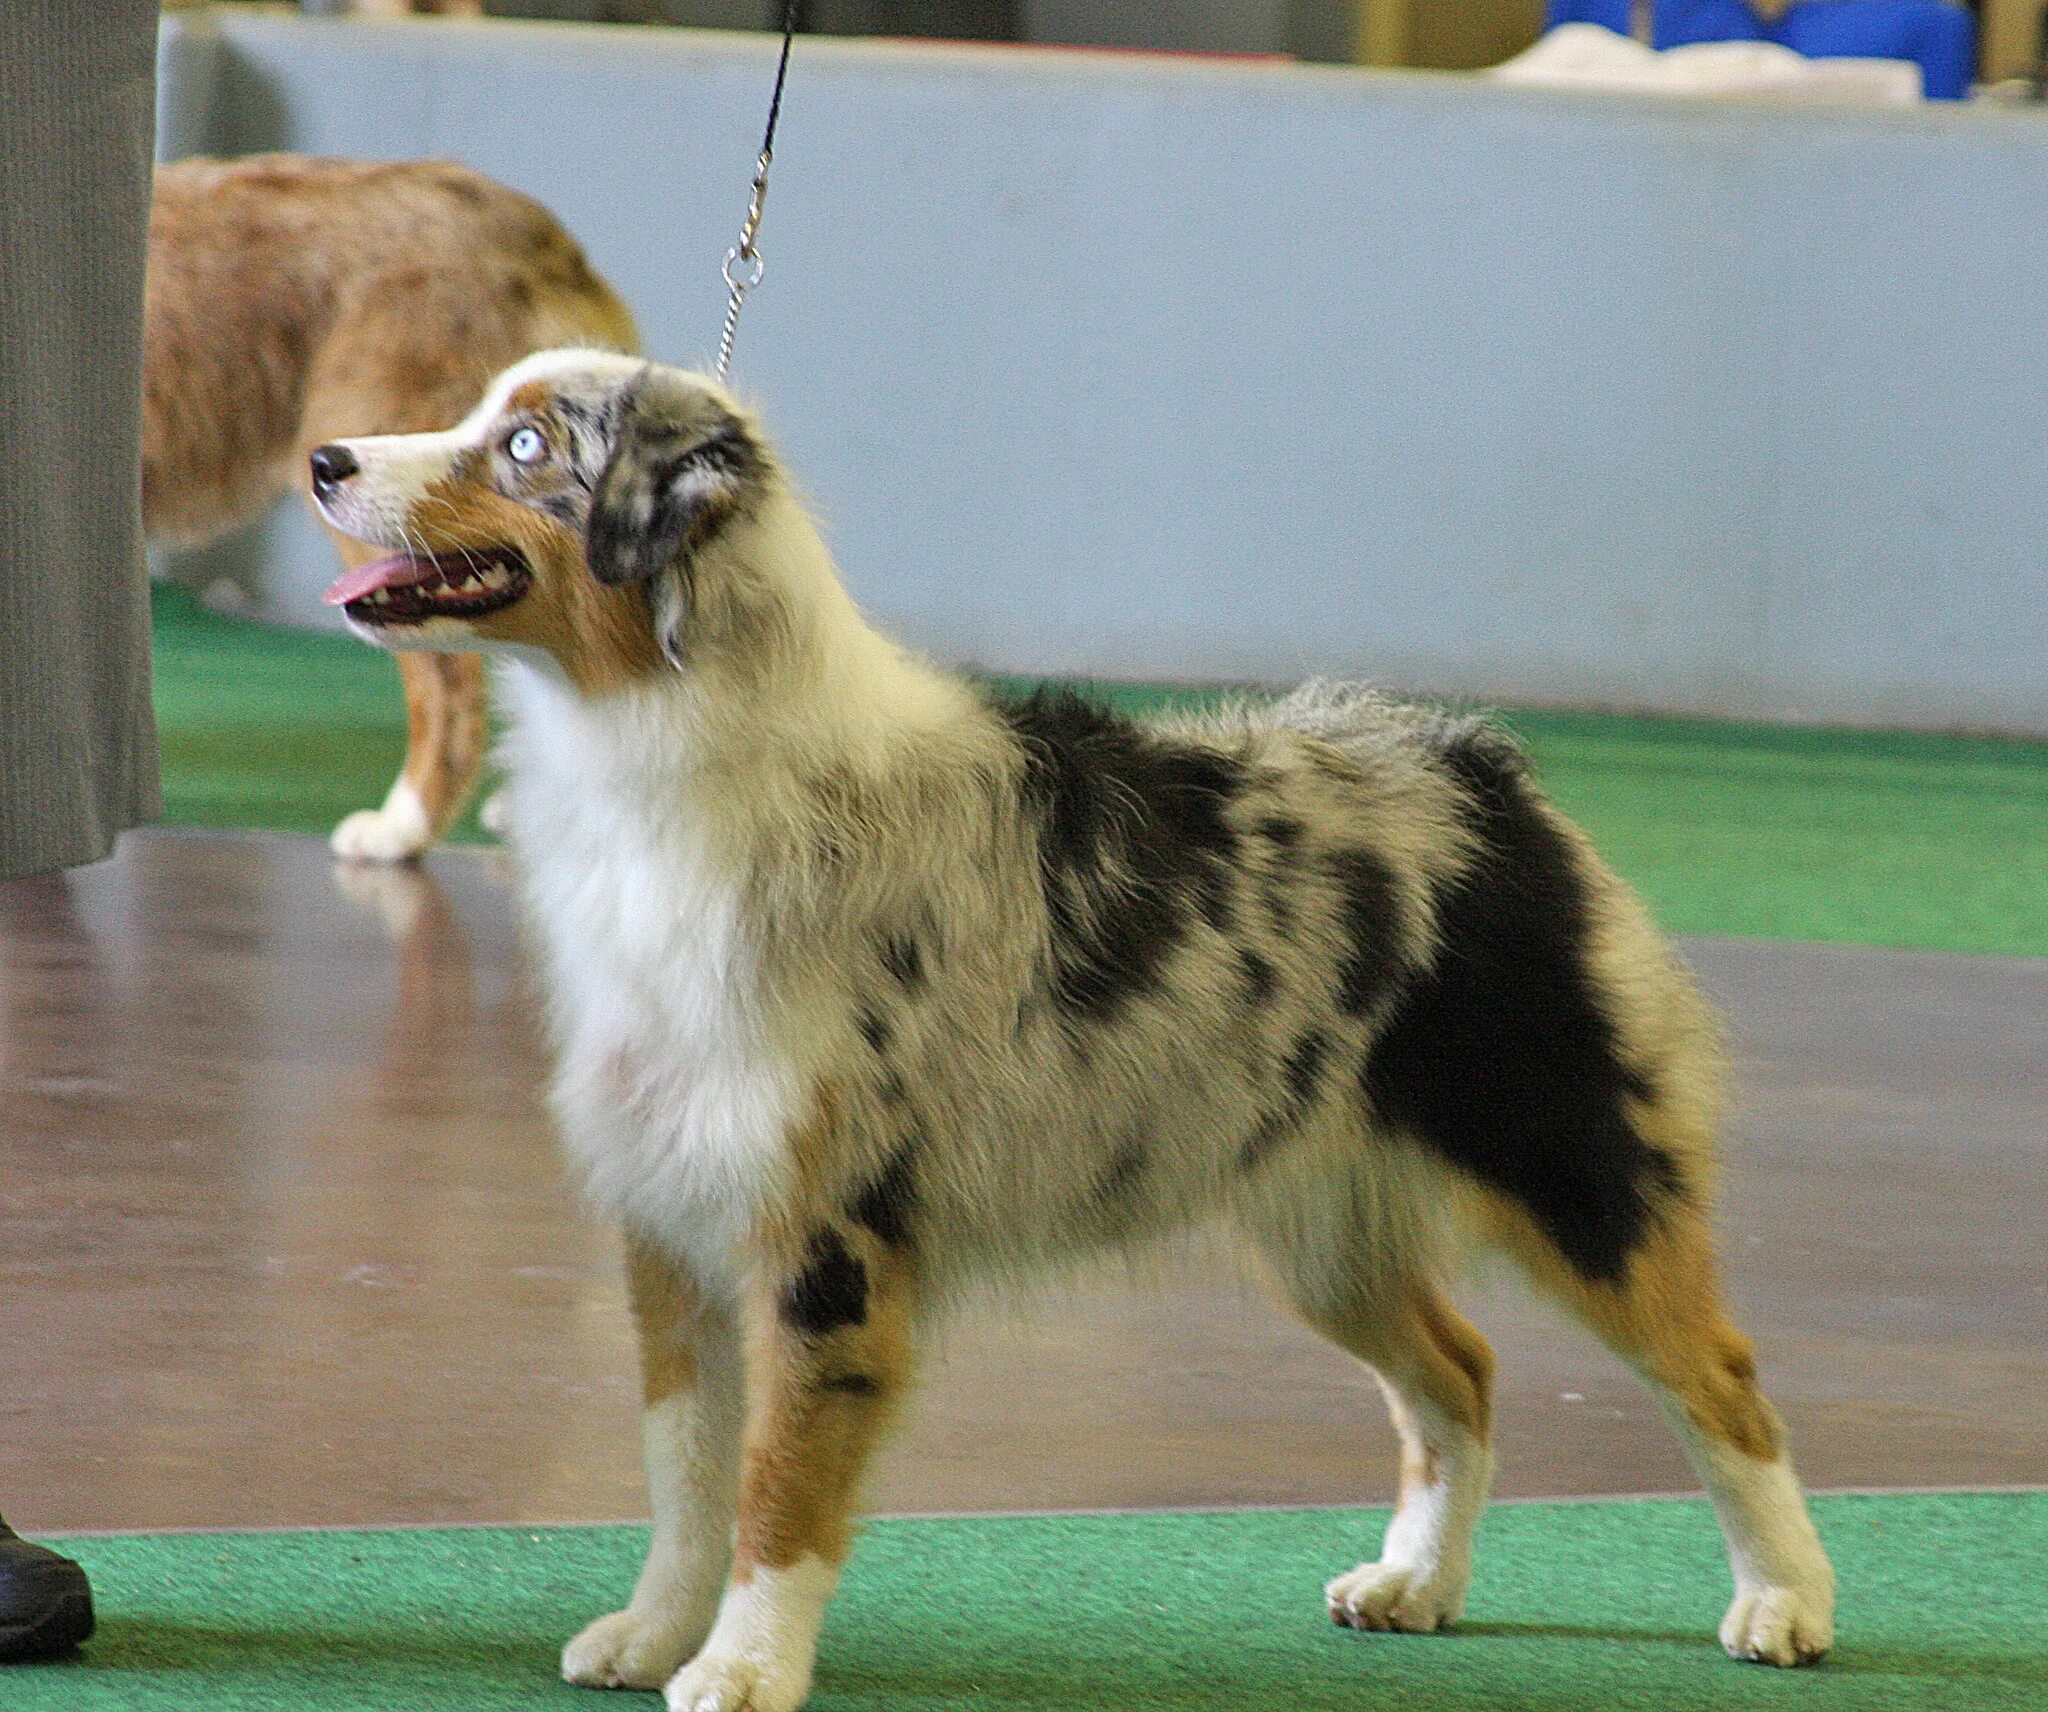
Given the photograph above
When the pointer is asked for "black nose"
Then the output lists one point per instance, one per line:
(332, 465)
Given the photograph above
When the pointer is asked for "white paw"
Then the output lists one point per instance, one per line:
(732, 1682)
(496, 814)
(397, 832)
(1396, 1597)
(1779, 1625)
(633, 1649)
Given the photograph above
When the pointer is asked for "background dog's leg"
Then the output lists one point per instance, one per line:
(387, 369)
(1666, 1319)
(829, 1353)
(690, 1373)
(446, 733)
(1437, 1373)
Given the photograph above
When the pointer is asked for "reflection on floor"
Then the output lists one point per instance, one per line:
(283, 1241)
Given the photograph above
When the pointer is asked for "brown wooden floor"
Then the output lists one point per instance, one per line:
(283, 1241)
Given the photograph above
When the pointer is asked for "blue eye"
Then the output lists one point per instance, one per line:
(526, 446)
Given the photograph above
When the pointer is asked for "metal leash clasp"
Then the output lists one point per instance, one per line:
(744, 264)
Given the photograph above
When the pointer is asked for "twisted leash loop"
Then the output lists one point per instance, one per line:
(744, 263)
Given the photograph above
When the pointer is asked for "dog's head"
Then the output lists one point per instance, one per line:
(566, 512)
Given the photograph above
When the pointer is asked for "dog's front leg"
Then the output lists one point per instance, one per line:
(829, 1351)
(690, 1366)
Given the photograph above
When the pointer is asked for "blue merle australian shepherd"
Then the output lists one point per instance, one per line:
(865, 987)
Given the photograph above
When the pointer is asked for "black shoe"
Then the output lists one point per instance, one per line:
(45, 1601)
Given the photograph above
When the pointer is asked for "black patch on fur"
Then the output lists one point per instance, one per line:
(887, 1205)
(1500, 1057)
(1370, 907)
(873, 1029)
(1261, 980)
(852, 1385)
(672, 481)
(1284, 831)
(903, 957)
(1303, 1073)
(831, 1292)
(596, 414)
(1116, 1186)
(1133, 831)
(1304, 1068)
(730, 451)
(591, 423)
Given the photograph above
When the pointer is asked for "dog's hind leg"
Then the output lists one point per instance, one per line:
(690, 1435)
(1437, 1373)
(1664, 1315)
(444, 752)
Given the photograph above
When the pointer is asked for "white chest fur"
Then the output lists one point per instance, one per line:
(672, 1090)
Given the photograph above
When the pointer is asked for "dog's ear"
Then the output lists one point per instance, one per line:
(681, 463)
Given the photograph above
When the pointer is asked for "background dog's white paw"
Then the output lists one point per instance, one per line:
(732, 1682)
(397, 832)
(1779, 1625)
(633, 1649)
(496, 814)
(1395, 1597)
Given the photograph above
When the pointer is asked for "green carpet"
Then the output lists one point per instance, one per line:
(1578, 1608)
(1865, 838)
(266, 728)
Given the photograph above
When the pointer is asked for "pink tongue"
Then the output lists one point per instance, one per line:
(399, 571)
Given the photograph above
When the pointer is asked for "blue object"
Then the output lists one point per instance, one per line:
(1941, 38)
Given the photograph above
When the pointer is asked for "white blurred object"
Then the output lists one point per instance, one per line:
(1585, 56)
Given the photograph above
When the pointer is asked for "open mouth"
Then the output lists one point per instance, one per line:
(410, 588)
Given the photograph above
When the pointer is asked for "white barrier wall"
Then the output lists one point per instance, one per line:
(1163, 369)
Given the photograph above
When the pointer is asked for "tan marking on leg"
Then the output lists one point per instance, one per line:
(818, 1408)
(664, 1303)
(1460, 1358)
(1418, 1339)
(445, 736)
(445, 732)
(1436, 1372)
(1664, 1316)
(1425, 1352)
(690, 1438)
